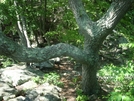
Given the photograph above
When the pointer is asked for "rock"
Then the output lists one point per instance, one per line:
(32, 95)
(27, 85)
(44, 92)
(56, 60)
(13, 77)
(47, 97)
(19, 98)
(16, 85)
(122, 39)
(47, 64)
(16, 77)
(113, 51)
(42, 65)
(6, 92)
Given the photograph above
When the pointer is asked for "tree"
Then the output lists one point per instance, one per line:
(94, 34)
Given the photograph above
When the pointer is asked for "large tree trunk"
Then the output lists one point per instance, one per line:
(95, 33)
(89, 79)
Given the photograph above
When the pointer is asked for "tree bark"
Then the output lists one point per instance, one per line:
(21, 28)
(12, 49)
(94, 34)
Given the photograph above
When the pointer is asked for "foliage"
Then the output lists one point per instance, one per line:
(131, 49)
(52, 78)
(97, 8)
(56, 22)
(126, 25)
(81, 96)
(130, 45)
(122, 78)
(5, 62)
(66, 29)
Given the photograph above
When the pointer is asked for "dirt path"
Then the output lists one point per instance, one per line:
(70, 78)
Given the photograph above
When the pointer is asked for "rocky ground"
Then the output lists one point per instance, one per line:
(16, 83)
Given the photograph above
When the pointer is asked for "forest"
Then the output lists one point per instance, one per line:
(84, 47)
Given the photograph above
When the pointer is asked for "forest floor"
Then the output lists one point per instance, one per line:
(71, 79)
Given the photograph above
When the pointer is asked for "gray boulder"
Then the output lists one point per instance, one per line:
(16, 84)
(44, 92)
(42, 65)
(15, 76)
(47, 64)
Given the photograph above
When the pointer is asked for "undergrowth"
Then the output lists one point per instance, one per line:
(121, 79)
(51, 78)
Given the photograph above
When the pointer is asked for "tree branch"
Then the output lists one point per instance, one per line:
(86, 25)
(11, 49)
(80, 14)
(113, 15)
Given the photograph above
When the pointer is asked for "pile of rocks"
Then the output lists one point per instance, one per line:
(16, 84)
